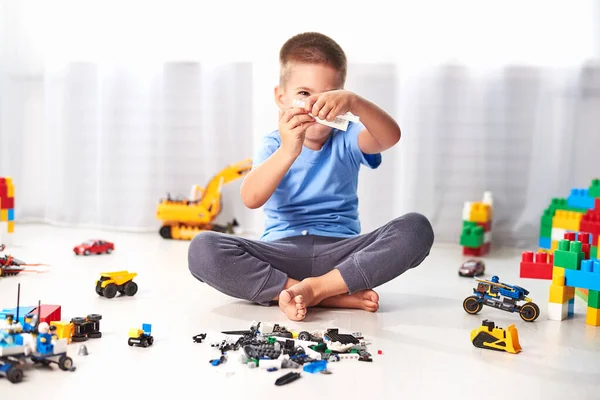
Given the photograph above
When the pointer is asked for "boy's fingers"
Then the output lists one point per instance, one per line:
(309, 102)
(291, 112)
(332, 114)
(301, 128)
(300, 119)
(327, 108)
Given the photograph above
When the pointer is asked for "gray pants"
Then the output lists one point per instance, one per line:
(257, 271)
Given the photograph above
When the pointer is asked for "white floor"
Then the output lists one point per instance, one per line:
(421, 328)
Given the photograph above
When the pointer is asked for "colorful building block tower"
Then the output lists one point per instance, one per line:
(572, 270)
(476, 235)
(7, 205)
(580, 212)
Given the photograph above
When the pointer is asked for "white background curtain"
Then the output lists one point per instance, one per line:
(107, 105)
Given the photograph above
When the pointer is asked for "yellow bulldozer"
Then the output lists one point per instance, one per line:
(489, 336)
(183, 219)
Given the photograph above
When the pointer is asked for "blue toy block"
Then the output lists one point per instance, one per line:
(571, 311)
(11, 214)
(23, 311)
(582, 279)
(147, 328)
(580, 198)
(591, 265)
(316, 366)
(545, 243)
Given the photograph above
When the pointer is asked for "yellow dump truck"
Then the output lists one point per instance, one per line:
(119, 281)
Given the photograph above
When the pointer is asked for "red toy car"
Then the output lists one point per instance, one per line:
(94, 246)
(472, 268)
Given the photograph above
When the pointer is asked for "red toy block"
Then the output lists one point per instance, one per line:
(8, 203)
(541, 268)
(48, 313)
(477, 251)
(570, 236)
(487, 226)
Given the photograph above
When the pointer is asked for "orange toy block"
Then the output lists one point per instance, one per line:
(480, 212)
(561, 294)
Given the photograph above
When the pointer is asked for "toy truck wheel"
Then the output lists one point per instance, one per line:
(65, 363)
(110, 291)
(99, 292)
(94, 317)
(165, 232)
(14, 374)
(150, 341)
(130, 342)
(529, 312)
(304, 336)
(131, 288)
(472, 305)
(95, 335)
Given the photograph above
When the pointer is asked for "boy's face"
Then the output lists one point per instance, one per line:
(306, 80)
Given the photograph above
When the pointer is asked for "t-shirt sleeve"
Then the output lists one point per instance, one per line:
(268, 145)
(351, 137)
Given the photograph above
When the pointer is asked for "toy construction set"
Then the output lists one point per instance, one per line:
(569, 240)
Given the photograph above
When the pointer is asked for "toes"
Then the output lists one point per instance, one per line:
(300, 306)
(372, 295)
(371, 306)
(299, 299)
(301, 312)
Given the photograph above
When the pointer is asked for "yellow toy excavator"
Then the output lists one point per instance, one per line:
(184, 219)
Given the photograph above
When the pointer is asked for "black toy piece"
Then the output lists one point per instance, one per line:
(287, 378)
(335, 336)
(199, 337)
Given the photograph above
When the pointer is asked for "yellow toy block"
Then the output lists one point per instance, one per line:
(561, 294)
(569, 220)
(558, 276)
(11, 226)
(593, 316)
(480, 212)
(3, 215)
(554, 246)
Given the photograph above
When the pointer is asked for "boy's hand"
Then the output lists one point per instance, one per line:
(329, 105)
(293, 124)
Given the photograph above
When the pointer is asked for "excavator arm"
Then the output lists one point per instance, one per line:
(211, 199)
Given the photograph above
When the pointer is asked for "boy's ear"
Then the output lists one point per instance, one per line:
(279, 97)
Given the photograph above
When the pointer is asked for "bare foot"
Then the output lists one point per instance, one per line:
(292, 305)
(367, 300)
(295, 300)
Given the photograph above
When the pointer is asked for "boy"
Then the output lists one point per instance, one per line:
(306, 175)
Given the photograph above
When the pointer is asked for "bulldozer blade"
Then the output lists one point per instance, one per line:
(512, 336)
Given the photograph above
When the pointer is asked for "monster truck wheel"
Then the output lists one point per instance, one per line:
(14, 374)
(65, 363)
(165, 232)
(110, 291)
(472, 305)
(529, 312)
(131, 288)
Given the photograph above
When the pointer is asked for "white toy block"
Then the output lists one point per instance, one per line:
(315, 355)
(488, 199)
(558, 234)
(467, 210)
(558, 312)
(487, 237)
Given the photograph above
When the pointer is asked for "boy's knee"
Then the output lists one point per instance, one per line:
(202, 253)
(419, 226)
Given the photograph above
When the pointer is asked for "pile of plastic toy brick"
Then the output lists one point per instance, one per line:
(7, 205)
(580, 212)
(476, 234)
(274, 347)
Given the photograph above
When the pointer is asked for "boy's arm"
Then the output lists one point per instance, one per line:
(381, 132)
(260, 183)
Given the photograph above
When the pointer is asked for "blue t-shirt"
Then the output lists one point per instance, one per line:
(317, 196)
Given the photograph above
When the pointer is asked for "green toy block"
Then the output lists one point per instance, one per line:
(594, 190)
(594, 299)
(594, 252)
(561, 204)
(471, 236)
(568, 255)
(545, 231)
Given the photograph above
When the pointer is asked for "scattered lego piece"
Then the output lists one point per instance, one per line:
(379, 352)
(199, 337)
(86, 328)
(316, 366)
(141, 337)
(491, 337)
(287, 378)
(541, 268)
(83, 351)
